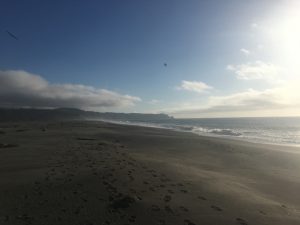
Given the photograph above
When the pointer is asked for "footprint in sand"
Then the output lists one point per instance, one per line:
(188, 222)
(202, 198)
(167, 198)
(216, 208)
(183, 208)
(132, 219)
(25, 218)
(262, 212)
(168, 209)
(139, 198)
(64, 210)
(132, 190)
(283, 206)
(155, 208)
(6, 218)
(7, 145)
(171, 191)
(152, 189)
(240, 221)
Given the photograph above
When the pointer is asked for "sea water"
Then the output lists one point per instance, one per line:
(279, 130)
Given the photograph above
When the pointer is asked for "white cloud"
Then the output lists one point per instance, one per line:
(260, 46)
(246, 52)
(254, 25)
(23, 89)
(279, 101)
(256, 70)
(154, 101)
(195, 86)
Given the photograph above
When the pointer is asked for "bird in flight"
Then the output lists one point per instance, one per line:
(12, 35)
(165, 64)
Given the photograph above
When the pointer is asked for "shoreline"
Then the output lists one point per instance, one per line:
(222, 137)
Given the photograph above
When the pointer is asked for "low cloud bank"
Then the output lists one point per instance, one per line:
(22, 89)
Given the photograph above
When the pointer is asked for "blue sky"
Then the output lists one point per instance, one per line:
(218, 54)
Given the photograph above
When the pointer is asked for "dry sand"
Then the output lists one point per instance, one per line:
(92, 173)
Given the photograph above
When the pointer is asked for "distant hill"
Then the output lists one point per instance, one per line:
(73, 114)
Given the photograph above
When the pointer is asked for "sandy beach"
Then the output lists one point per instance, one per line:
(92, 173)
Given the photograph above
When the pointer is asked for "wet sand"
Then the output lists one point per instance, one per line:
(91, 173)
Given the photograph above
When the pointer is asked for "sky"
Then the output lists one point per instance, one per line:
(187, 58)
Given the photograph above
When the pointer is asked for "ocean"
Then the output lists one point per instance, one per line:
(269, 130)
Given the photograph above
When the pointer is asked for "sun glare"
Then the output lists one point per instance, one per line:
(284, 31)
